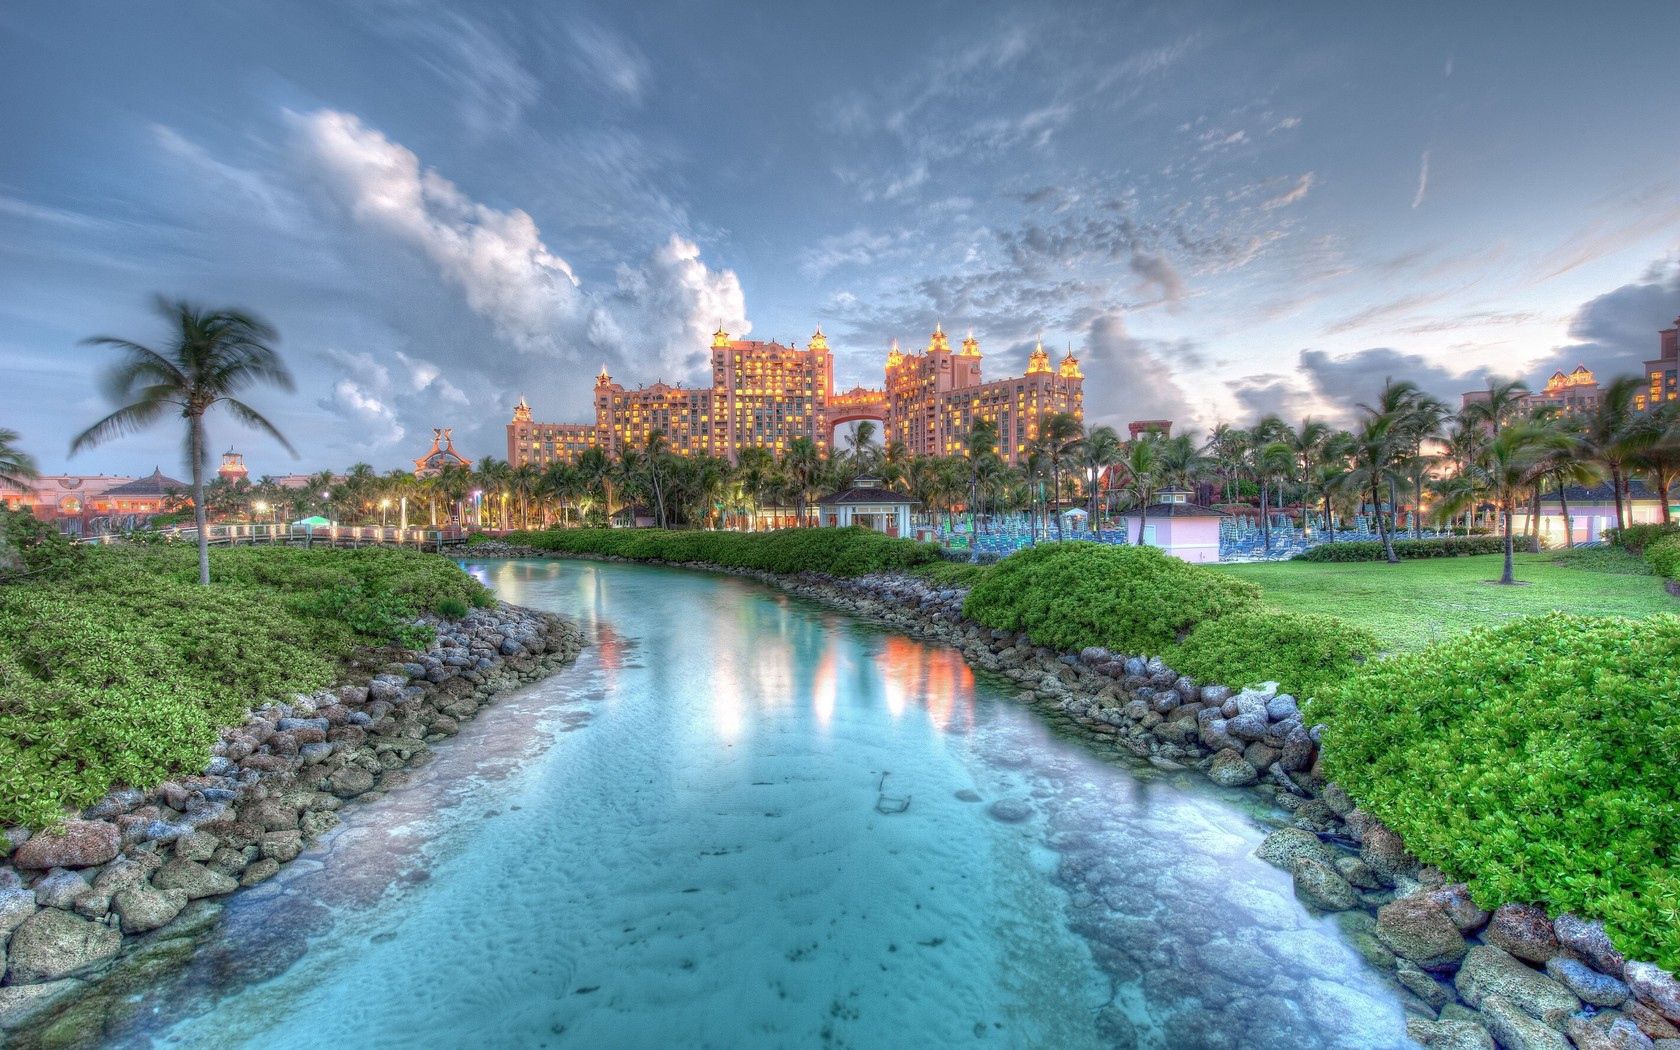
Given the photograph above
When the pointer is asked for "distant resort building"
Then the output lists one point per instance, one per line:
(869, 504)
(766, 395)
(442, 454)
(1570, 393)
(233, 467)
(1662, 373)
(94, 503)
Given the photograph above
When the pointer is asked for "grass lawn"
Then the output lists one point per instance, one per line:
(1414, 603)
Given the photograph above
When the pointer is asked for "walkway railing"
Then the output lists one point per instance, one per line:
(237, 534)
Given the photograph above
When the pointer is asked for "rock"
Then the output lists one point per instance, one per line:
(283, 846)
(261, 871)
(1360, 874)
(1449, 1035)
(1516, 1030)
(1434, 993)
(350, 782)
(1524, 931)
(1337, 798)
(1383, 850)
(1282, 846)
(16, 905)
(1454, 899)
(52, 944)
(1418, 929)
(197, 845)
(80, 844)
(1010, 810)
(1321, 886)
(1587, 939)
(1649, 1021)
(1490, 972)
(62, 889)
(143, 908)
(1607, 1031)
(23, 1004)
(1599, 989)
(1655, 987)
(1230, 769)
(194, 879)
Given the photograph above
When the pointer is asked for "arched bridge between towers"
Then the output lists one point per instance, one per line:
(854, 406)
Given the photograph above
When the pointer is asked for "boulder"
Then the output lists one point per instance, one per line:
(1606, 1031)
(1230, 769)
(1587, 939)
(62, 888)
(23, 1004)
(1649, 1021)
(52, 944)
(1524, 931)
(1449, 1035)
(194, 879)
(261, 871)
(1321, 886)
(1655, 987)
(1421, 984)
(16, 905)
(1515, 1029)
(1282, 846)
(1598, 989)
(79, 844)
(1010, 810)
(143, 908)
(350, 782)
(1454, 899)
(1418, 929)
(1383, 850)
(1490, 972)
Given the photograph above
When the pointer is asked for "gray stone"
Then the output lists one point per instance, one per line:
(23, 1004)
(62, 889)
(1655, 987)
(1454, 899)
(1282, 846)
(1490, 972)
(1524, 931)
(1383, 851)
(1599, 989)
(1010, 810)
(1321, 886)
(143, 908)
(283, 846)
(1516, 1030)
(1417, 928)
(16, 905)
(52, 944)
(261, 871)
(194, 879)
(79, 844)
(1587, 939)
(1230, 769)
(350, 782)
(1449, 1035)
(1434, 993)
(1607, 1031)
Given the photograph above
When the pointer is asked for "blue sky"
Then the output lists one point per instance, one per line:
(1223, 208)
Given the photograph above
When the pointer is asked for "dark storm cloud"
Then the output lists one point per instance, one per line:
(1615, 333)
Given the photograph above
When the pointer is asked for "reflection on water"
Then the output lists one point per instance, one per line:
(714, 857)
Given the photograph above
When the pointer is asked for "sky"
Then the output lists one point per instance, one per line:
(1223, 209)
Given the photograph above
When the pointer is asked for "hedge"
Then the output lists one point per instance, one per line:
(1133, 600)
(1663, 555)
(121, 669)
(1372, 550)
(1539, 761)
(1636, 538)
(1305, 653)
(837, 552)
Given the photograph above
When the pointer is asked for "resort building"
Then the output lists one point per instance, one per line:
(1185, 530)
(233, 467)
(442, 454)
(868, 504)
(1662, 373)
(95, 503)
(766, 395)
(1570, 393)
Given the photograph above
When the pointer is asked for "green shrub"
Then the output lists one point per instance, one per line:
(1372, 550)
(1133, 600)
(1636, 538)
(29, 546)
(453, 608)
(1663, 556)
(1612, 560)
(1304, 652)
(122, 669)
(835, 552)
(953, 573)
(1539, 760)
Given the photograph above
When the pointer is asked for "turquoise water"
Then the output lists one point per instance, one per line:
(744, 821)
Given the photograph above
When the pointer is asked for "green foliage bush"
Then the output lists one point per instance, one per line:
(1636, 538)
(835, 552)
(1305, 653)
(953, 573)
(1612, 560)
(1133, 600)
(29, 546)
(1663, 556)
(1539, 760)
(121, 670)
(1372, 550)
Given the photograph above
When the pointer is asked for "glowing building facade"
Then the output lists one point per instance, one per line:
(1662, 373)
(766, 395)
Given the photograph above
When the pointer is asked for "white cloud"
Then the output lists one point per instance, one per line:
(1423, 180)
(659, 315)
(1290, 196)
(610, 61)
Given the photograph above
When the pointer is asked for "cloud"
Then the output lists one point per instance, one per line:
(609, 60)
(1345, 381)
(1423, 180)
(655, 317)
(1616, 333)
(1158, 277)
(489, 83)
(1127, 378)
(1290, 196)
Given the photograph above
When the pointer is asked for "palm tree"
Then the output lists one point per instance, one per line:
(1372, 456)
(861, 450)
(1100, 450)
(1139, 463)
(1504, 399)
(1656, 436)
(17, 467)
(1060, 434)
(1563, 466)
(1610, 438)
(803, 464)
(213, 355)
(981, 449)
(1508, 467)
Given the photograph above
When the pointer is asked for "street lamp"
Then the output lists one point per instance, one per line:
(384, 505)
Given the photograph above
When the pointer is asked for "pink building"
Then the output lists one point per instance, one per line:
(1185, 530)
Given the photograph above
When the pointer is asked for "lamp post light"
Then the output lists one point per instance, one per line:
(478, 507)
(403, 520)
(384, 505)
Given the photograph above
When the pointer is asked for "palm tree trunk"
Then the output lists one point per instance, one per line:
(1382, 527)
(195, 448)
(1265, 519)
(1055, 500)
(1329, 518)
(1508, 576)
(1143, 517)
(1534, 522)
(1417, 505)
(1568, 526)
(1616, 495)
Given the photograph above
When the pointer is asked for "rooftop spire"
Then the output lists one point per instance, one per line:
(971, 345)
(720, 338)
(894, 357)
(939, 342)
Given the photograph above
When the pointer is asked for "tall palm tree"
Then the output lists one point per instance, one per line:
(803, 465)
(1656, 435)
(17, 467)
(1508, 467)
(1060, 434)
(1372, 456)
(212, 355)
(1504, 399)
(1306, 443)
(1100, 450)
(1610, 438)
(981, 449)
(1139, 465)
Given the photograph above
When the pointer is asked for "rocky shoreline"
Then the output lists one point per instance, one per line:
(1468, 979)
(128, 886)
